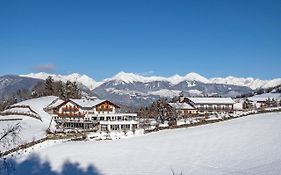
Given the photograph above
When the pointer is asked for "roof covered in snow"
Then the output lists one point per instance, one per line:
(211, 100)
(86, 103)
(55, 103)
(266, 96)
(181, 106)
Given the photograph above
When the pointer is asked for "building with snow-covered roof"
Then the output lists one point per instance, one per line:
(91, 113)
(265, 100)
(184, 109)
(211, 105)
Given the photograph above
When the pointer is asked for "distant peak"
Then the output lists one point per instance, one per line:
(196, 77)
(132, 77)
(126, 74)
(127, 77)
(75, 75)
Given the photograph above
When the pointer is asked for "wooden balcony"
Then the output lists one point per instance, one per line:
(70, 109)
(104, 110)
(70, 115)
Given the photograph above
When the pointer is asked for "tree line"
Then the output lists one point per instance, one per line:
(49, 87)
(56, 88)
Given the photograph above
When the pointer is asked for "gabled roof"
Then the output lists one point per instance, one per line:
(181, 106)
(83, 103)
(55, 103)
(211, 100)
(87, 103)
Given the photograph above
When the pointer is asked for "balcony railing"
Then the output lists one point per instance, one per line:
(70, 108)
(104, 110)
(215, 109)
(79, 115)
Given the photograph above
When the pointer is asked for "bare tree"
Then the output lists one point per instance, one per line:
(9, 136)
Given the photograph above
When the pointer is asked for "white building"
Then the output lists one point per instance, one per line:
(116, 121)
(91, 113)
(211, 105)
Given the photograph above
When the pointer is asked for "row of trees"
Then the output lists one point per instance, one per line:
(56, 88)
(45, 88)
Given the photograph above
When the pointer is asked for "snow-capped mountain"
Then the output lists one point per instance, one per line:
(131, 78)
(135, 89)
(138, 90)
(249, 82)
(83, 79)
(127, 78)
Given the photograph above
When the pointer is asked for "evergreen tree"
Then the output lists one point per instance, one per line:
(76, 91)
(56, 88)
(161, 111)
(68, 90)
(49, 86)
(59, 89)
(38, 90)
(72, 90)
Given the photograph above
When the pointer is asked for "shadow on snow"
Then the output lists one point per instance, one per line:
(36, 166)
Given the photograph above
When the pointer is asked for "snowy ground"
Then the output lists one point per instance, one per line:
(249, 145)
(31, 128)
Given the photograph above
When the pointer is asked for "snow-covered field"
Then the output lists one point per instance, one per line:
(249, 145)
(31, 128)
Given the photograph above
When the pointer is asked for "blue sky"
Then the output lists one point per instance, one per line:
(102, 38)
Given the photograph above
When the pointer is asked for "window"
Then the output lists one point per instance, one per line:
(101, 118)
(114, 127)
(104, 127)
(127, 127)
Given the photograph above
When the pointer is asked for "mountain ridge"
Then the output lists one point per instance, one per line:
(124, 77)
(137, 90)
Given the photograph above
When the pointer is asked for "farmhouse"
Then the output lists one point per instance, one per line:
(210, 105)
(91, 113)
(184, 109)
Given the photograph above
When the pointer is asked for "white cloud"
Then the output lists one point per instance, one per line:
(44, 67)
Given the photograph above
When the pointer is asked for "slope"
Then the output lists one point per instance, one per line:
(249, 145)
(34, 121)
